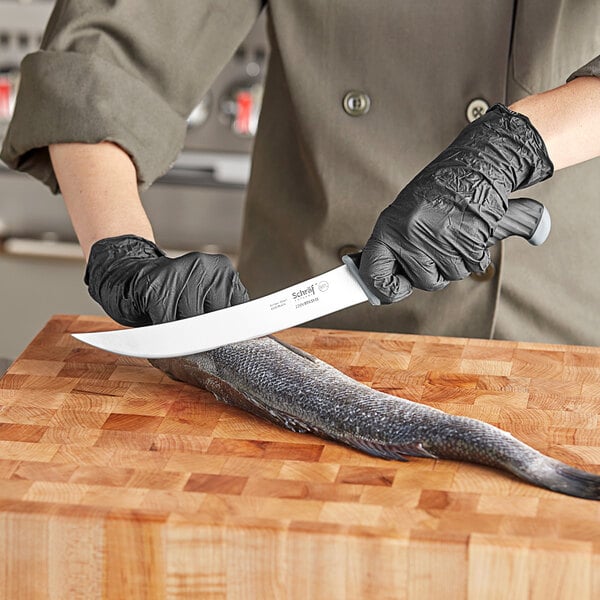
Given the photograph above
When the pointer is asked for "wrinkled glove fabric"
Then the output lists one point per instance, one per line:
(437, 229)
(137, 284)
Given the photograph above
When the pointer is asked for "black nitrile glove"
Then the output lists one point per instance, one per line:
(437, 229)
(137, 284)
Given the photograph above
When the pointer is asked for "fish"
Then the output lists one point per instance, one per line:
(291, 388)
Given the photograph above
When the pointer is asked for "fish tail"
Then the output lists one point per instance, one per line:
(559, 477)
(474, 441)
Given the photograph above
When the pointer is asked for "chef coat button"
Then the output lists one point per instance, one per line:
(348, 249)
(486, 275)
(356, 103)
(476, 108)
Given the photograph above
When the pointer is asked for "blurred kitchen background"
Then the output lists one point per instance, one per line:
(198, 205)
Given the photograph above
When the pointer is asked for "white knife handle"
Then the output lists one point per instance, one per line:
(352, 261)
(526, 218)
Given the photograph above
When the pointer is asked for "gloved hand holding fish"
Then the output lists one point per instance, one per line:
(300, 392)
(137, 284)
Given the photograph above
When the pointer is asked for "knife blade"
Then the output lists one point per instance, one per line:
(316, 297)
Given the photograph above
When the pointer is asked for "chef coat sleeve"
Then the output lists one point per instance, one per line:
(126, 72)
(591, 69)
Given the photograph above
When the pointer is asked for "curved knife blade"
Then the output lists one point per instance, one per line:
(313, 298)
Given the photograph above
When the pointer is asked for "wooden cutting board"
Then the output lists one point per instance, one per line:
(117, 482)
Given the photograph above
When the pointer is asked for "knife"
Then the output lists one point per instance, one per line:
(316, 297)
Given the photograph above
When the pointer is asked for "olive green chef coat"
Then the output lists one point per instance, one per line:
(131, 72)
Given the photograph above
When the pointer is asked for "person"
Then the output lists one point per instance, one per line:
(376, 132)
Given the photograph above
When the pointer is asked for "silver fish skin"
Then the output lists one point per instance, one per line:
(294, 389)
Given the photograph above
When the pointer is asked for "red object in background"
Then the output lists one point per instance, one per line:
(5, 89)
(243, 112)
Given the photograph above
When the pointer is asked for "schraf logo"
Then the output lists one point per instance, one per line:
(308, 291)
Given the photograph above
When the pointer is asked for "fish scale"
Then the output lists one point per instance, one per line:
(298, 391)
